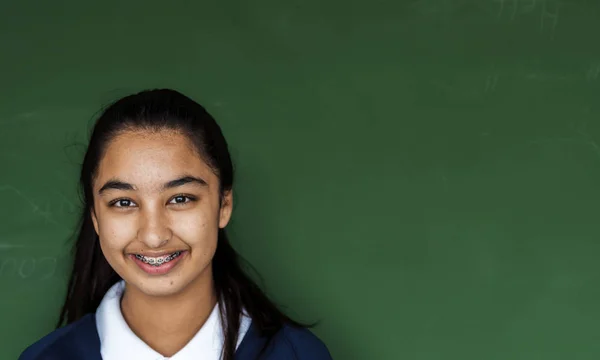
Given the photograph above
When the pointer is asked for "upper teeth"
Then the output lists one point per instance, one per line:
(158, 260)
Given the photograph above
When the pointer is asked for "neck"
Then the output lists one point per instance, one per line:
(174, 319)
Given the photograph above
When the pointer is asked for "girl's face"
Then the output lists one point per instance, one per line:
(156, 202)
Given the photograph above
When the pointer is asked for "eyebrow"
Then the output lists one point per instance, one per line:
(116, 184)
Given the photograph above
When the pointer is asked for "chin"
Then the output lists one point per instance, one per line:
(164, 286)
(170, 284)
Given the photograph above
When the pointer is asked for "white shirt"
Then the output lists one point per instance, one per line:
(117, 340)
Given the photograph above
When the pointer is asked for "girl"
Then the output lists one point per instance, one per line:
(154, 276)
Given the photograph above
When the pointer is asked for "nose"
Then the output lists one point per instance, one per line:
(154, 230)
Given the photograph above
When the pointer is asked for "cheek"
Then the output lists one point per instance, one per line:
(195, 229)
(116, 232)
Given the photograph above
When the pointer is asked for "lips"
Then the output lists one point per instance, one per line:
(158, 265)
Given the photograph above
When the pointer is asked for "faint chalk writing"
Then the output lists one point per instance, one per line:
(11, 246)
(551, 77)
(20, 117)
(510, 6)
(433, 6)
(582, 130)
(27, 268)
(583, 139)
(548, 11)
(47, 214)
(66, 206)
(7, 266)
(490, 83)
(593, 72)
(512, 3)
(48, 209)
(32, 268)
(35, 208)
(528, 6)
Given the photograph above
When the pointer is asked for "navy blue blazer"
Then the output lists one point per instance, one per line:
(80, 341)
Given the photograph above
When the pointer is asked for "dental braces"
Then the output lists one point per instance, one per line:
(158, 262)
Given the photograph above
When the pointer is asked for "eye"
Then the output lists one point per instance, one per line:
(181, 199)
(122, 203)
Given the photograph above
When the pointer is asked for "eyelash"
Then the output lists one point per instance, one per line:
(188, 197)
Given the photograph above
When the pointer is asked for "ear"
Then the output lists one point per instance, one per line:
(94, 220)
(226, 208)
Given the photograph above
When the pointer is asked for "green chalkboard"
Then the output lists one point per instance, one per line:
(422, 176)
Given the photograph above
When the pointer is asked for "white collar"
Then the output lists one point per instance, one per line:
(117, 340)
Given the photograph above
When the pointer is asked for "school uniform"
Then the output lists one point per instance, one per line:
(105, 335)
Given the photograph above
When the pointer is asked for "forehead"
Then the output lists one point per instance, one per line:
(149, 159)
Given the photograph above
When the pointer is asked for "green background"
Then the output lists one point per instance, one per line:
(421, 176)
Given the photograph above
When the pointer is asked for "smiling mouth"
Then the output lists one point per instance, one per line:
(158, 261)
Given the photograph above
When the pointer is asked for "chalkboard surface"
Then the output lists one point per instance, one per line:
(421, 176)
